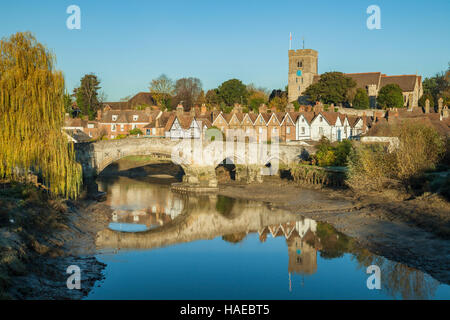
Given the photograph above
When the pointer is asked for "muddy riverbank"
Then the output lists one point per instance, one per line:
(415, 232)
(40, 238)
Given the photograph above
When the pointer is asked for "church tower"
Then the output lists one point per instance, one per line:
(303, 66)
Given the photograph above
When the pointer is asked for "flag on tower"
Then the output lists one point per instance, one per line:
(290, 40)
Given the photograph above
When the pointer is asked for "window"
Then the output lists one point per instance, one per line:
(320, 119)
(303, 130)
(122, 127)
(260, 130)
(154, 131)
(288, 130)
(112, 137)
(274, 130)
(114, 118)
(135, 118)
(90, 125)
(90, 134)
(260, 120)
(299, 64)
(303, 119)
(113, 127)
(148, 132)
(321, 131)
(133, 126)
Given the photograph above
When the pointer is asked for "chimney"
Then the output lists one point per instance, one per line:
(427, 106)
(180, 109)
(290, 107)
(99, 114)
(262, 108)
(203, 109)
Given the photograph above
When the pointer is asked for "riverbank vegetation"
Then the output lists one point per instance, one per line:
(376, 168)
(31, 117)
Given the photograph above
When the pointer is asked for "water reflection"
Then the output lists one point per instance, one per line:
(244, 225)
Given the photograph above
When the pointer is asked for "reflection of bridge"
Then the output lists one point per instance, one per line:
(197, 157)
(203, 221)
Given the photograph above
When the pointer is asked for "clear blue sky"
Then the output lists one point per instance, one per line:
(128, 43)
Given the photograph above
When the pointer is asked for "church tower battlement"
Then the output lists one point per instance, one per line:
(303, 66)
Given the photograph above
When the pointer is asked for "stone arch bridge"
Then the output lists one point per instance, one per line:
(198, 158)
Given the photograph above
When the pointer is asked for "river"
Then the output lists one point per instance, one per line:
(162, 245)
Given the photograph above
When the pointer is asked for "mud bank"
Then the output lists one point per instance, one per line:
(40, 241)
(413, 232)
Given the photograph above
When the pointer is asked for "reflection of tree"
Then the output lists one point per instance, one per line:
(398, 279)
(334, 244)
(234, 237)
(224, 205)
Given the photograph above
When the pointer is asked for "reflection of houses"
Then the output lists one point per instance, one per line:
(301, 242)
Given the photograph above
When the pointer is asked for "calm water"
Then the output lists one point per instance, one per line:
(172, 247)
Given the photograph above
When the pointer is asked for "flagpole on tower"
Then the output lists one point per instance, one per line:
(290, 40)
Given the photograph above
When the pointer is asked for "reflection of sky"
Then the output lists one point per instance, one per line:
(215, 269)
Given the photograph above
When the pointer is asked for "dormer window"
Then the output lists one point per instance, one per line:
(135, 118)
(114, 118)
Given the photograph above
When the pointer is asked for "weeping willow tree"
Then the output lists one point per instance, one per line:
(31, 117)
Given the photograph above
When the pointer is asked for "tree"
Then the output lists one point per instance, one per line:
(390, 96)
(31, 117)
(361, 100)
(333, 87)
(233, 91)
(256, 98)
(87, 95)
(201, 98)
(68, 101)
(162, 89)
(213, 98)
(187, 90)
(279, 102)
(438, 86)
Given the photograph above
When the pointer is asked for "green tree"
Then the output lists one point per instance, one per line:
(438, 86)
(162, 89)
(68, 101)
(233, 91)
(135, 132)
(333, 87)
(87, 95)
(390, 96)
(31, 117)
(361, 100)
(213, 98)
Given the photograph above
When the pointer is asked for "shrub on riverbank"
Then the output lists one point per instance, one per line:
(375, 168)
(332, 155)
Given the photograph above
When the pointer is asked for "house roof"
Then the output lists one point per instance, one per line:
(125, 116)
(365, 79)
(405, 82)
(142, 98)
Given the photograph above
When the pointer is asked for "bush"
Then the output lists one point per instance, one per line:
(374, 168)
(135, 132)
(332, 155)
